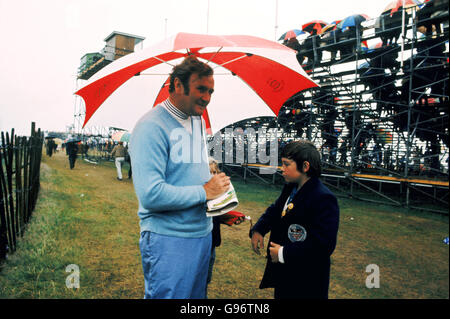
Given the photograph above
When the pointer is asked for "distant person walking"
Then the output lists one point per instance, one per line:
(72, 151)
(50, 147)
(118, 152)
(128, 160)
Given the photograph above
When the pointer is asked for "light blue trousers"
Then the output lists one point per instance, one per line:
(174, 267)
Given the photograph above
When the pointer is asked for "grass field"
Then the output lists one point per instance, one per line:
(88, 218)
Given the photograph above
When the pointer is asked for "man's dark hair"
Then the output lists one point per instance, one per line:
(301, 151)
(185, 69)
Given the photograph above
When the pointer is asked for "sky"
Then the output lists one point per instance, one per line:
(43, 42)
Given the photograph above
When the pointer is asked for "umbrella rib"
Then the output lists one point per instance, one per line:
(214, 55)
(233, 60)
(161, 60)
(159, 74)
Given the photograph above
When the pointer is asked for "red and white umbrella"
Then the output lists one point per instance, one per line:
(397, 4)
(253, 76)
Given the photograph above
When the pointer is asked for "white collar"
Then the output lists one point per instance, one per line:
(175, 111)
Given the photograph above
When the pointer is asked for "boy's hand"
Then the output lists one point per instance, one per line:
(257, 242)
(273, 249)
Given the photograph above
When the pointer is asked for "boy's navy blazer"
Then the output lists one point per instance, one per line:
(308, 233)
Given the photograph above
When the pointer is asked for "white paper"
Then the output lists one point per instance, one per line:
(222, 204)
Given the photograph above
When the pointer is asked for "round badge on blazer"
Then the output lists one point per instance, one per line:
(296, 233)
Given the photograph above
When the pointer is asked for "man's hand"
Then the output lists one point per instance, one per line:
(273, 250)
(257, 242)
(216, 186)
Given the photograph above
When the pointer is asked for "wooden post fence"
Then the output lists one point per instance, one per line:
(20, 161)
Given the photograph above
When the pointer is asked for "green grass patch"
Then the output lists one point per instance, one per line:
(88, 218)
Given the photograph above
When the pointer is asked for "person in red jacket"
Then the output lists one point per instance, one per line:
(303, 224)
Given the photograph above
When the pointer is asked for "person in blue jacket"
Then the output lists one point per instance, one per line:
(303, 224)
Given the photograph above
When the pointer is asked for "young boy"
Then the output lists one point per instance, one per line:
(303, 223)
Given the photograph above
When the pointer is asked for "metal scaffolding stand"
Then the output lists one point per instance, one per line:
(380, 115)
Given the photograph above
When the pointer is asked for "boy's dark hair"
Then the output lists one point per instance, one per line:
(185, 69)
(301, 151)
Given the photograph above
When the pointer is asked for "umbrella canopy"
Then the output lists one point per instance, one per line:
(389, 7)
(352, 21)
(291, 34)
(397, 4)
(384, 136)
(314, 27)
(377, 45)
(121, 136)
(330, 27)
(73, 140)
(364, 46)
(51, 135)
(269, 69)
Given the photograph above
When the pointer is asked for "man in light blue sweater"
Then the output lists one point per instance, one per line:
(172, 182)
